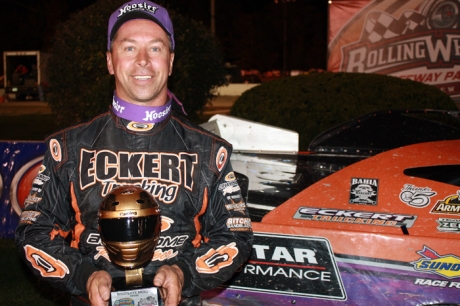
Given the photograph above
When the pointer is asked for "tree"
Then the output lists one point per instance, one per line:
(81, 87)
(310, 104)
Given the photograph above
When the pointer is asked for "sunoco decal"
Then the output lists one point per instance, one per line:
(449, 206)
(300, 266)
(354, 217)
(447, 266)
(364, 191)
(448, 225)
(418, 197)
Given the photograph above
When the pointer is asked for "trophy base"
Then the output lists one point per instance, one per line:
(144, 295)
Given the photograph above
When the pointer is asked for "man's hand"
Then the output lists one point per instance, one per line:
(169, 280)
(98, 288)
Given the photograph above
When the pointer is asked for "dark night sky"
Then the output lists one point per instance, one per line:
(250, 31)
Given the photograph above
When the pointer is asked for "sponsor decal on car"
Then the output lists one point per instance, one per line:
(417, 197)
(447, 266)
(436, 283)
(354, 216)
(450, 205)
(364, 191)
(292, 265)
(448, 225)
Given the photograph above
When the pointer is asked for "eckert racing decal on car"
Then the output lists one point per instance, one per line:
(354, 216)
(418, 197)
(290, 265)
(364, 191)
(448, 225)
(447, 266)
(449, 206)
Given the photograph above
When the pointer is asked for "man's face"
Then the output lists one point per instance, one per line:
(141, 62)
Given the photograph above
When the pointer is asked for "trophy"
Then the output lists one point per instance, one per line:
(130, 225)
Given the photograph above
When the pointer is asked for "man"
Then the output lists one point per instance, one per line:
(145, 141)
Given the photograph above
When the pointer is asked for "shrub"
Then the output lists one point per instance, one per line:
(81, 87)
(312, 103)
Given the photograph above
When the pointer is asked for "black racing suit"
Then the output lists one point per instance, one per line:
(206, 229)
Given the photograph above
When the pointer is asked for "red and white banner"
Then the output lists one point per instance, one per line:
(20, 162)
(410, 39)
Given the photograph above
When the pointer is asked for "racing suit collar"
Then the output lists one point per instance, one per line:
(139, 113)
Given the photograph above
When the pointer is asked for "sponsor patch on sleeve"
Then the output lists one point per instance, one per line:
(239, 224)
(221, 158)
(47, 265)
(55, 150)
(28, 217)
(214, 260)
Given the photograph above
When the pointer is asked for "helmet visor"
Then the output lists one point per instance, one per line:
(130, 229)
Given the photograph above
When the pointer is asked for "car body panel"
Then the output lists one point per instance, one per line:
(381, 229)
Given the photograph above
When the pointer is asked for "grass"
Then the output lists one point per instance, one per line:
(20, 286)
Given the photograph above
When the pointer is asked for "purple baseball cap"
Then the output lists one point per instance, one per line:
(137, 9)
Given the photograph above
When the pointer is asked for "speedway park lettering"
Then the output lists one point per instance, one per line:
(405, 51)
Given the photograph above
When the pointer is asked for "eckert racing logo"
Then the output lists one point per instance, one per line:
(447, 265)
(354, 216)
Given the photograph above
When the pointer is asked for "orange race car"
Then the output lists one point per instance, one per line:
(369, 216)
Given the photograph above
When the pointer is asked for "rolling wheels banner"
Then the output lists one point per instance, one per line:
(411, 39)
(20, 162)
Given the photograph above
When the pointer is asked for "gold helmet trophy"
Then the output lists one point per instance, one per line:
(130, 225)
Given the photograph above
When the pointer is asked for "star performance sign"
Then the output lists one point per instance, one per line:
(299, 266)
